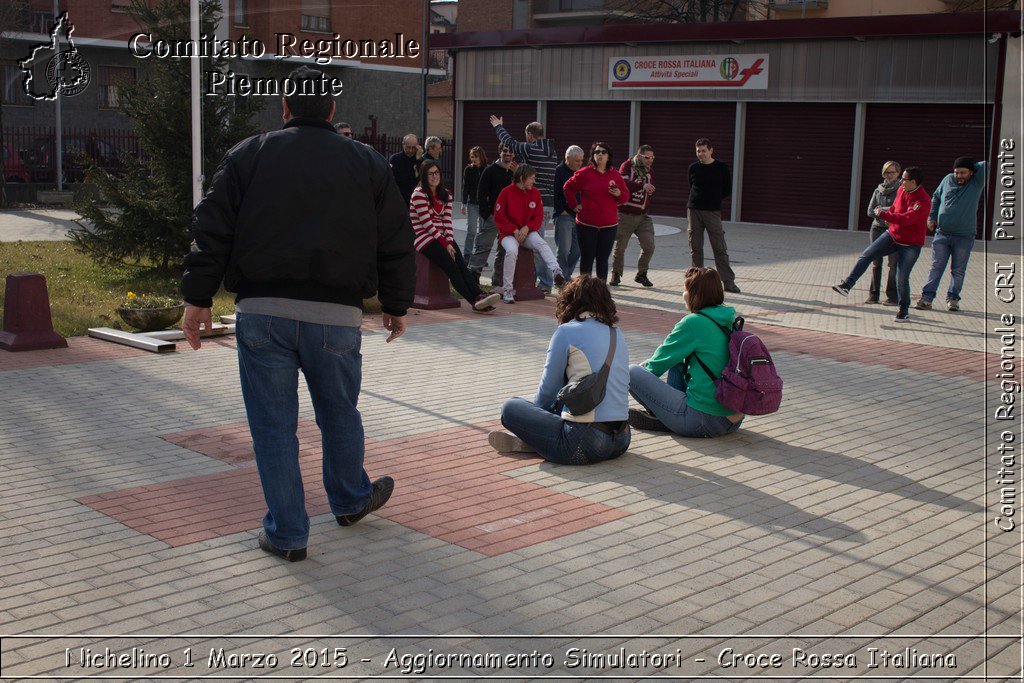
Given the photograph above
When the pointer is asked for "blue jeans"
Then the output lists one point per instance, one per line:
(472, 225)
(561, 441)
(545, 280)
(906, 257)
(667, 402)
(568, 244)
(271, 351)
(943, 247)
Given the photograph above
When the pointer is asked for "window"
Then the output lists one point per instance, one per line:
(109, 79)
(14, 94)
(40, 22)
(240, 13)
(316, 16)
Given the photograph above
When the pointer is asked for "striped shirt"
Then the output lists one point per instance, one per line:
(541, 154)
(429, 224)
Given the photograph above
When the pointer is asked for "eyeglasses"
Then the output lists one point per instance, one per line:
(905, 179)
(437, 173)
(600, 151)
(347, 133)
(506, 151)
(890, 173)
(649, 157)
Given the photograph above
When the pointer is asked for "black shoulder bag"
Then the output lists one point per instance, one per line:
(583, 395)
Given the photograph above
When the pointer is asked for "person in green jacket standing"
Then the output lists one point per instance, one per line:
(686, 405)
(955, 214)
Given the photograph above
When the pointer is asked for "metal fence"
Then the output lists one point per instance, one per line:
(29, 151)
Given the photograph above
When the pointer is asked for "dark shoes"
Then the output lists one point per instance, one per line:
(902, 317)
(559, 280)
(293, 555)
(923, 305)
(841, 288)
(642, 279)
(890, 302)
(871, 300)
(952, 305)
(616, 279)
(641, 419)
(382, 489)
(731, 287)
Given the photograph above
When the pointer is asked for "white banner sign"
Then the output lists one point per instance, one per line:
(743, 71)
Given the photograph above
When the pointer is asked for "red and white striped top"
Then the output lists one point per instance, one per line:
(429, 223)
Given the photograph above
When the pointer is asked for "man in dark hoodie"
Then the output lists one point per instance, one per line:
(493, 180)
(303, 224)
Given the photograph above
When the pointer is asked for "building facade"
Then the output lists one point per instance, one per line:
(833, 100)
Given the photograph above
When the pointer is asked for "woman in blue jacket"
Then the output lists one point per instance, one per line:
(586, 317)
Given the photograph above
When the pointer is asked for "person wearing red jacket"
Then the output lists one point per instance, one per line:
(633, 216)
(908, 224)
(601, 189)
(518, 213)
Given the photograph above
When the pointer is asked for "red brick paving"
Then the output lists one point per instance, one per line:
(80, 350)
(449, 485)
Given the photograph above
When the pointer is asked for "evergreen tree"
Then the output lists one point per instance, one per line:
(149, 203)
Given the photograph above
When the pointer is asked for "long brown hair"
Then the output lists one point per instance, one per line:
(703, 288)
(585, 294)
(442, 191)
(481, 154)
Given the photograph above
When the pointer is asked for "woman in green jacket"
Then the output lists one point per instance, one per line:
(686, 404)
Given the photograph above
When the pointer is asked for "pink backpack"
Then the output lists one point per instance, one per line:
(749, 383)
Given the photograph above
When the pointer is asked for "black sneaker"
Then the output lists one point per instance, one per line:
(293, 555)
(642, 279)
(382, 489)
(841, 288)
(731, 287)
(902, 317)
(871, 300)
(616, 280)
(559, 280)
(641, 419)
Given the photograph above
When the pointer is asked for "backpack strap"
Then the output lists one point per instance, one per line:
(725, 330)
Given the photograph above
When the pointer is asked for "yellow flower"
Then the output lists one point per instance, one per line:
(131, 295)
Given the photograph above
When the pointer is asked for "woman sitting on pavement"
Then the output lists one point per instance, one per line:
(579, 347)
(430, 210)
(686, 405)
(518, 213)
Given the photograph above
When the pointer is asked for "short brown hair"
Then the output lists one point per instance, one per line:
(585, 294)
(535, 129)
(703, 288)
(703, 142)
(522, 172)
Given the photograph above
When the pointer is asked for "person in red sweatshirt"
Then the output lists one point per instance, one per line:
(518, 213)
(908, 224)
(601, 189)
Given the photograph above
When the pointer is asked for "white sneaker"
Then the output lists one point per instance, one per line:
(508, 298)
(487, 301)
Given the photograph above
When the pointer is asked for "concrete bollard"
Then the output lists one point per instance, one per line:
(432, 290)
(27, 322)
(524, 281)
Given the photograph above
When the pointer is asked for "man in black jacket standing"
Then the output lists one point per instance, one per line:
(710, 183)
(403, 165)
(302, 224)
(493, 180)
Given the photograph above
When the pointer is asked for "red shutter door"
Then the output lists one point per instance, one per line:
(584, 123)
(930, 136)
(477, 130)
(796, 164)
(672, 128)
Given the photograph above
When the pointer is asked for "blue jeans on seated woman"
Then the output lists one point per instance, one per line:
(561, 441)
(667, 402)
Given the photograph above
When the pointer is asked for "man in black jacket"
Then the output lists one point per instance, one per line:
(493, 180)
(710, 183)
(403, 165)
(303, 224)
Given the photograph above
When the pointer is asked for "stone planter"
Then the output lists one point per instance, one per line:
(151, 319)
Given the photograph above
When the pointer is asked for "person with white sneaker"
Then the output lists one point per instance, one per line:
(580, 346)
(907, 219)
(518, 213)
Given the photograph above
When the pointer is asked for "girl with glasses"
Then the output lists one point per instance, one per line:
(601, 189)
(430, 211)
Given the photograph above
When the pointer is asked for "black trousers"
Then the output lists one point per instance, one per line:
(458, 274)
(595, 245)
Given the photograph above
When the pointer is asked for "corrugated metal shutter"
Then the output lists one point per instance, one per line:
(477, 130)
(931, 136)
(584, 123)
(796, 166)
(672, 128)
